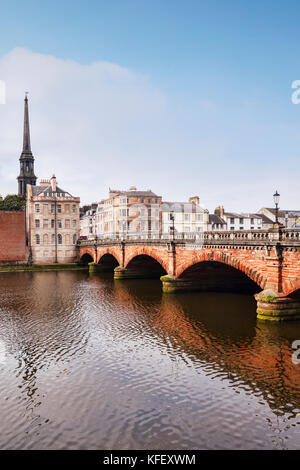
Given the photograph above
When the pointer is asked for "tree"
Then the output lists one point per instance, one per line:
(13, 202)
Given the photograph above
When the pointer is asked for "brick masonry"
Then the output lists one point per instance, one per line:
(267, 268)
(12, 237)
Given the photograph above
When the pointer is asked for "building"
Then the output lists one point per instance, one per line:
(190, 218)
(52, 223)
(26, 175)
(87, 224)
(132, 213)
(216, 223)
(244, 220)
(288, 218)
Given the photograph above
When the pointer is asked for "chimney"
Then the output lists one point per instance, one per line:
(194, 200)
(53, 183)
(219, 211)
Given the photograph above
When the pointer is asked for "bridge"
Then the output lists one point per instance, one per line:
(263, 262)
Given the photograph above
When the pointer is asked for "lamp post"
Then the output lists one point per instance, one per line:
(172, 218)
(276, 197)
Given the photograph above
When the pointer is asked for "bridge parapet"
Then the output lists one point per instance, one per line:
(286, 237)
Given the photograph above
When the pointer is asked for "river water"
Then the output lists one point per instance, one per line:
(87, 362)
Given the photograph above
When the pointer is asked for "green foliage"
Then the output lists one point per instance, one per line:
(13, 202)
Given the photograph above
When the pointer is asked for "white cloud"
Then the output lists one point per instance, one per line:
(101, 125)
(83, 120)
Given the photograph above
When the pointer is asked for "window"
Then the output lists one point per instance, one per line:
(52, 238)
(156, 201)
(251, 228)
(252, 221)
(59, 224)
(149, 212)
(74, 209)
(52, 223)
(186, 216)
(142, 212)
(231, 228)
(241, 228)
(74, 239)
(59, 208)
(74, 223)
(149, 201)
(52, 208)
(59, 239)
(37, 223)
(91, 229)
(232, 220)
(199, 217)
(149, 226)
(187, 229)
(37, 239)
(45, 208)
(67, 223)
(156, 212)
(37, 208)
(241, 220)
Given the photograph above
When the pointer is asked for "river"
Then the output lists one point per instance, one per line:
(87, 362)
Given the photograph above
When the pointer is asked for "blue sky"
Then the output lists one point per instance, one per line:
(218, 72)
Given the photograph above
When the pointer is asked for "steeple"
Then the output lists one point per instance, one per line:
(26, 133)
(27, 175)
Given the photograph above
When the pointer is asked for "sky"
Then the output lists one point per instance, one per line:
(184, 97)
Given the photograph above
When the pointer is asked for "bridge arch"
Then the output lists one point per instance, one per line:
(86, 258)
(147, 264)
(108, 252)
(150, 253)
(108, 262)
(251, 272)
(292, 289)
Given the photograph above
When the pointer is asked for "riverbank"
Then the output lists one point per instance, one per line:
(43, 267)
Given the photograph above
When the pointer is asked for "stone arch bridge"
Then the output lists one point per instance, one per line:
(266, 263)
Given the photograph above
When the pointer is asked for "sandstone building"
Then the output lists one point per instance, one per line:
(52, 223)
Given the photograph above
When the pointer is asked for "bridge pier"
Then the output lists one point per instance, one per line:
(272, 306)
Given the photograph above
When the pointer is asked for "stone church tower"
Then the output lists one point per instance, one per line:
(27, 175)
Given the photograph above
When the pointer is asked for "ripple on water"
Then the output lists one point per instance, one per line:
(86, 362)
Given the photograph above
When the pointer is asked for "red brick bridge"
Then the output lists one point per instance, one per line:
(266, 263)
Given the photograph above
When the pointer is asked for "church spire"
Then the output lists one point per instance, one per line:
(26, 175)
(26, 133)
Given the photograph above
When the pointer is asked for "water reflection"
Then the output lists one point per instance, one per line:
(88, 362)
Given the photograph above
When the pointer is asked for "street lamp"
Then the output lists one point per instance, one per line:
(173, 226)
(276, 197)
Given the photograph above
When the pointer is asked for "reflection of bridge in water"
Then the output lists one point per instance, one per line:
(267, 262)
(223, 341)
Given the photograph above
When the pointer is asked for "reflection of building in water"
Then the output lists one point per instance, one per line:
(210, 329)
(45, 327)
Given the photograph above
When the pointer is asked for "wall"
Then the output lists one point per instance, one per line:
(12, 237)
